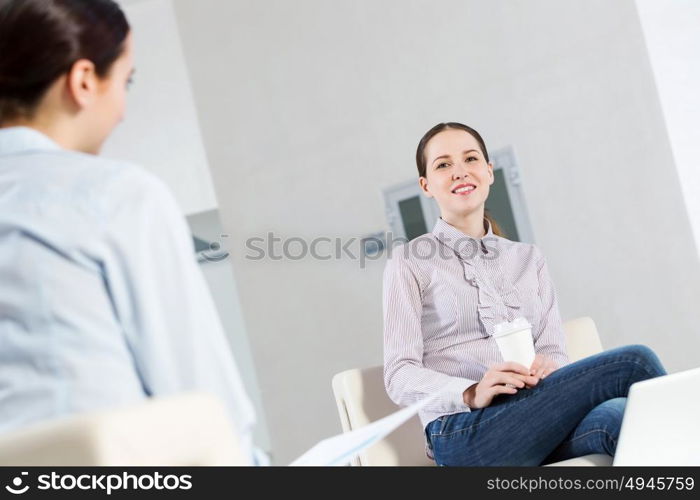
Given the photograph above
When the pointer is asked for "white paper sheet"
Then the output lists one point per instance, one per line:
(341, 449)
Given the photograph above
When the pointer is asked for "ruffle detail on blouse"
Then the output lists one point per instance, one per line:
(489, 302)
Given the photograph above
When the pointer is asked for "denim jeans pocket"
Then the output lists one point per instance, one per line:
(436, 427)
(448, 423)
(443, 422)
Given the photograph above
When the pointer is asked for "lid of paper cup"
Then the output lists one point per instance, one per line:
(506, 328)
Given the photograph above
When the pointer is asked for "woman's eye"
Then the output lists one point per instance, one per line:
(472, 158)
(441, 165)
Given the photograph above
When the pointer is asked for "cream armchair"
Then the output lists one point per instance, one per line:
(361, 398)
(184, 430)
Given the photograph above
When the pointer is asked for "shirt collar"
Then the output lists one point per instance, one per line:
(14, 140)
(463, 244)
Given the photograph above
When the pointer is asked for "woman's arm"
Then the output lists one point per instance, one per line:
(164, 305)
(405, 378)
(549, 337)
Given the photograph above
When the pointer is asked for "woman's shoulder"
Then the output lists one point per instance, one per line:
(82, 172)
(411, 253)
(519, 250)
(115, 173)
(409, 259)
(106, 189)
(123, 183)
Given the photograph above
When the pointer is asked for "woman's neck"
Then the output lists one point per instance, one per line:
(56, 130)
(55, 119)
(471, 224)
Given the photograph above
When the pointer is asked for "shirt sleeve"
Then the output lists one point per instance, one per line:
(163, 302)
(405, 378)
(549, 337)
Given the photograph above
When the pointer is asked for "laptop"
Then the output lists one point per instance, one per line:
(660, 425)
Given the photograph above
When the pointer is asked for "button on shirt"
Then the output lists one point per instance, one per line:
(444, 292)
(102, 303)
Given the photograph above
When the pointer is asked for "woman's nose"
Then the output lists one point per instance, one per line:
(460, 173)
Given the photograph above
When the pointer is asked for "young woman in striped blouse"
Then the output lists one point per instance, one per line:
(443, 294)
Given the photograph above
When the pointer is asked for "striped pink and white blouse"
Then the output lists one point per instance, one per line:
(443, 294)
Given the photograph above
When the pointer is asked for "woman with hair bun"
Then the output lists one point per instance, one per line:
(102, 303)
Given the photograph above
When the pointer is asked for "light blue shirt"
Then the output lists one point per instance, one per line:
(102, 303)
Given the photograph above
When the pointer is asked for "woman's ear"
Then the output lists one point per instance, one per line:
(423, 183)
(491, 177)
(82, 82)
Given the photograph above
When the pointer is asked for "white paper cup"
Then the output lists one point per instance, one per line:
(515, 342)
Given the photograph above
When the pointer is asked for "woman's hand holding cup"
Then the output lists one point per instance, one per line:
(541, 367)
(503, 378)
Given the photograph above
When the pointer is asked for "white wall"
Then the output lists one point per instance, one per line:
(672, 33)
(309, 108)
(161, 131)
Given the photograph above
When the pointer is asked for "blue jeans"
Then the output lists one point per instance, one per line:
(577, 410)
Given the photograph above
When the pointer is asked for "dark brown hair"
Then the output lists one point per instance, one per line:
(421, 161)
(41, 39)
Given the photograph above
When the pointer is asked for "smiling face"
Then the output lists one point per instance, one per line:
(457, 174)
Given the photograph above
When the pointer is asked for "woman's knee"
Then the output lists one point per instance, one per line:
(612, 409)
(611, 413)
(606, 418)
(647, 357)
